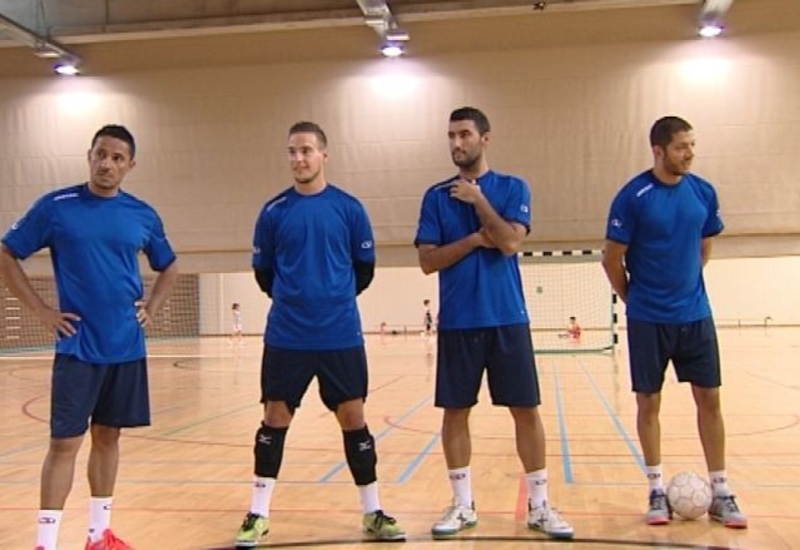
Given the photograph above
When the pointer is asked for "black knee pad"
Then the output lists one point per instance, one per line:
(269, 450)
(359, 448)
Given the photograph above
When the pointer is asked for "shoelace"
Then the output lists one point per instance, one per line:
(249, 521)
(730, 503)
(382, 519)
(556, 520)
(657, 500)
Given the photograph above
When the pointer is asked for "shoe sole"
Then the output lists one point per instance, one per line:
(445, 534)
(730, 524)
(559, 536)
(247, 544)
(395, 538)
(658, 521)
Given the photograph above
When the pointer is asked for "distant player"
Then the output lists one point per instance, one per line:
(573, 331)
(427, 317)
(236, 330)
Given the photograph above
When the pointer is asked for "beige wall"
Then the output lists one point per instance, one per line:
(571, 115)
(743, 291)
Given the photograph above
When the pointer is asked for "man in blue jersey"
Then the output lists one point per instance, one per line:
(313, 253)
(470, 229)
(658, 241)
(95, 232)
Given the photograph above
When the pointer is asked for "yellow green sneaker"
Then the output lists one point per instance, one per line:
(382, 527)
(253, 528)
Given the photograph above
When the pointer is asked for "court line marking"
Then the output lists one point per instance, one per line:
(634, 449)
(566, 462)
(390, 426)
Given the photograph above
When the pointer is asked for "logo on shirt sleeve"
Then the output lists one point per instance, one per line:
(256, 250)
(15, 225)
(616, 222)
(366, 245)
(524, 208)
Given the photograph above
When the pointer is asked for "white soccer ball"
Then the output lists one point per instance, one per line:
(689, 495)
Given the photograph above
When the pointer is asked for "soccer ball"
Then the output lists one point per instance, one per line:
(689, 495)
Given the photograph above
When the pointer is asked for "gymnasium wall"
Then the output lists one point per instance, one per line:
(571, 98)
(744, 292)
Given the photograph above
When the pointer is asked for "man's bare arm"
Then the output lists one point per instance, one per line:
(20, 286)
(614, 265)
(434, 258)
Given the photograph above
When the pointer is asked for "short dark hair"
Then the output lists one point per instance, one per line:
(473, 114)
(304, 127)
(664, 128)
(118, 132)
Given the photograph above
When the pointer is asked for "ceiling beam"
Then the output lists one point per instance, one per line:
(41, 45)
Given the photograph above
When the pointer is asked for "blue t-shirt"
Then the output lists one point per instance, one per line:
(483, 289)
(94, 244)
(311, 243)
(663, 227)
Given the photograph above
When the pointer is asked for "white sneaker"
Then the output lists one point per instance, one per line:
(549, 521)
(456, 518)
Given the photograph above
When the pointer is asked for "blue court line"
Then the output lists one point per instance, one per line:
(412, 467)
(341, 465)
(206, 420)
(562, 428)
(615, 418)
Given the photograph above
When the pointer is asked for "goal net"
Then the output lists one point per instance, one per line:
(200, 305)
(565, 284)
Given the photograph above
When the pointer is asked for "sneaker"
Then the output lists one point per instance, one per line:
(382, 527)
(253, 528)
(659, 512)
(549, 521)
(108, 542)
(726, 511)
(456, 518)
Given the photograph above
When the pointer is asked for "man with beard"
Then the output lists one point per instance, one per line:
(658, 240)
(313, 253)
(470, 229)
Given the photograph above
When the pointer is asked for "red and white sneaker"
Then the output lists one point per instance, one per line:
(108, 542)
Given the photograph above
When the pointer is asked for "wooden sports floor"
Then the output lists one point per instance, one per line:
(185, 482)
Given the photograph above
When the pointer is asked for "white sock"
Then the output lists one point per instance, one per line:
(655, 478)
(99, 516)
(369, 497)
(262, 495)
(537, 487)
(719, 483)
(461, 482)
(48, 524)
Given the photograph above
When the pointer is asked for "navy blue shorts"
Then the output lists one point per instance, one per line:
(505, 352)
(692, 347)
(341, 375)
(114, 395)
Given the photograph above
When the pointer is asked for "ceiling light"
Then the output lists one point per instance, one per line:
(67, 67)
(710, 30)
(712, 15)
(392, 49)
(378, 16)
